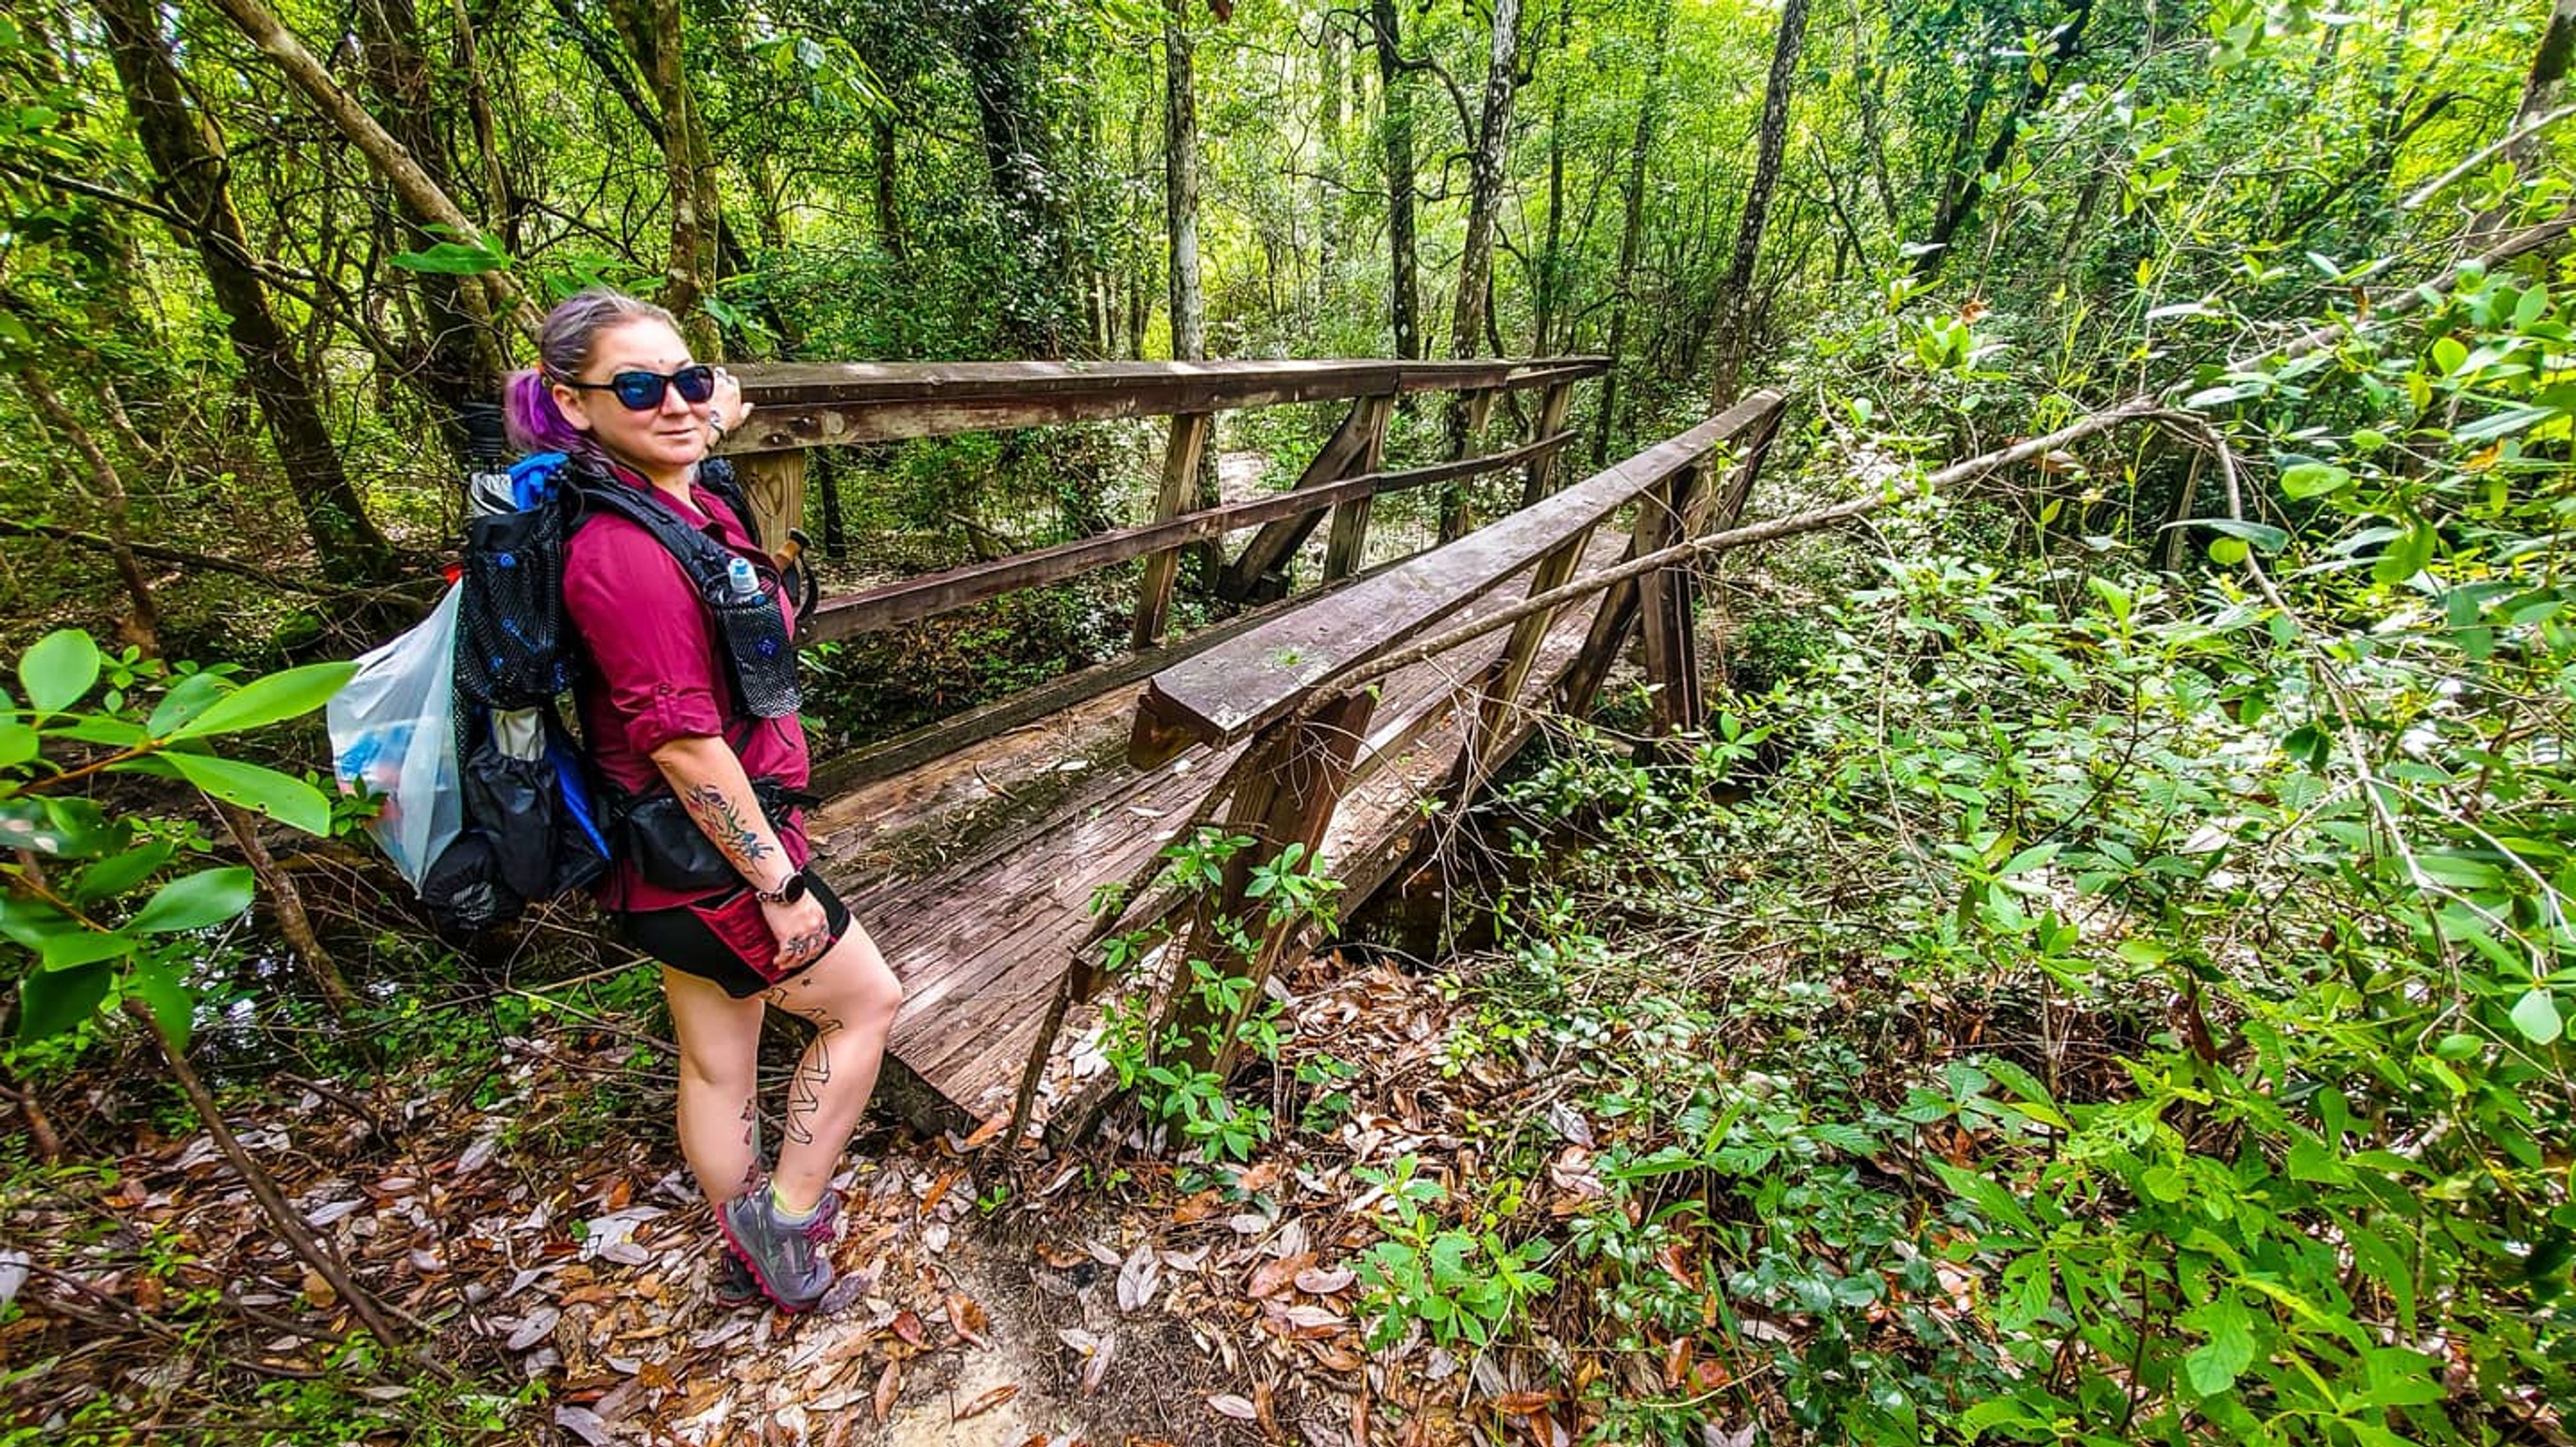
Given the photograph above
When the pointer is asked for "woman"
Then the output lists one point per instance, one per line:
(619, 394)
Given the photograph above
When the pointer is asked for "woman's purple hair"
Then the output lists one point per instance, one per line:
(564, 345)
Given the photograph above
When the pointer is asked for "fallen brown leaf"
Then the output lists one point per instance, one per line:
(1227, 1404)
(985, 1133)
(907, 1325)
(967, 1320)
(1273, 1277)
(888, 1382)
(987, 1402)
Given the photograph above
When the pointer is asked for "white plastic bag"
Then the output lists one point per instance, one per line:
(394, 729)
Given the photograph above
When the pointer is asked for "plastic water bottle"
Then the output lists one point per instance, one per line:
(744, 581)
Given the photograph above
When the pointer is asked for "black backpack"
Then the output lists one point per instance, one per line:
(537, 821)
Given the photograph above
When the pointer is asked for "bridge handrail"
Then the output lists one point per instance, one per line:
(1262, 675)
(908, 600)
(800, 405)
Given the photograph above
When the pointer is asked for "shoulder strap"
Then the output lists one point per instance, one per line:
(717, 476)
(700, 557)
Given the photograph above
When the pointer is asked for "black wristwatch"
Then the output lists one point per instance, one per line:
(788, 893)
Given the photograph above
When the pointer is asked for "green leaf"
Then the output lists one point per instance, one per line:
(289, 801)
(18, 743)
(2499, 424)
(2536, 1016)
(118, 873)
(2214, 1366)
(2314, 479)
(52, 1002)
(58, 670)
(274, 699)
(2228, 552)
(2028, 860)
(159, 986)
(452, 258)
(186, 699)
(77, 947)
(116, 733)
(2406, 554)
(194, 901)
(2263, 536)
(69, 828)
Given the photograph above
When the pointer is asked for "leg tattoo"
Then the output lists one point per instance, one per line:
(805, 1088)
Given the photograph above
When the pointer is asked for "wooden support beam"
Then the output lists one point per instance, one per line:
(774, 484)
(1501, 690)
(1277, 542)
(1180, 487)
(1455, 517)
(1346, 550)
(1552, 407)
(1665, 600)
(1286, 795)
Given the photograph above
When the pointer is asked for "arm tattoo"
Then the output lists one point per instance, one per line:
(723, 822)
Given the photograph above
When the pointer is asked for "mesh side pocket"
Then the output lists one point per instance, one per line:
(764, 657)
(511, 647)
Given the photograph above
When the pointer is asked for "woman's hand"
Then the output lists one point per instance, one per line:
(802, 930)
(726, 408)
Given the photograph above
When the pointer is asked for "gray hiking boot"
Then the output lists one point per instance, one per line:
(786, 1258)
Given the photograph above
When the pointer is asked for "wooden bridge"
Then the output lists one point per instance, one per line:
(973, 848)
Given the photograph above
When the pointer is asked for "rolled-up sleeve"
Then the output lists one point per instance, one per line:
(647, 633)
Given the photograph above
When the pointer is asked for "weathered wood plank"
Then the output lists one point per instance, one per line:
(1228, 691)
(807, 405)
(893, 604)
(1180, 484)
(774, 484)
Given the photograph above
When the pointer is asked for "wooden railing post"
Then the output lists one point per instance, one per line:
(1347, 548)
(1552, 407)
(1286, 794)
(1665, 597)
(1180, 488)
(774, 484)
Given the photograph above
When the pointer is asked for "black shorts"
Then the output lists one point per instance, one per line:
(725, 938)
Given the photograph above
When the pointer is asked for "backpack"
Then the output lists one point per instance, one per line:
(535, 822)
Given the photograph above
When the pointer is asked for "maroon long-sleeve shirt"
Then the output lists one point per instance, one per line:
(652, 672)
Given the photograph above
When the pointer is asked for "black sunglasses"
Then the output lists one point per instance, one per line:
(642, 391)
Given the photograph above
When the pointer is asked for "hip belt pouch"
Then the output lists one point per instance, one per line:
(672, 852)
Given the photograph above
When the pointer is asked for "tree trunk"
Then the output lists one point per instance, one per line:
(1476, 259)
(653, 33)
(1551, 256)
(189, 172)
(460, 366)
(888, 174)
(1735, 308)
(1632, 226)
(1404, 290)
(1019, 158)
(1181, 187)
(1329, 87)
(2034, 94)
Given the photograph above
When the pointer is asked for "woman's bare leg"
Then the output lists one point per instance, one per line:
(719, 1083)
(851, 997)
